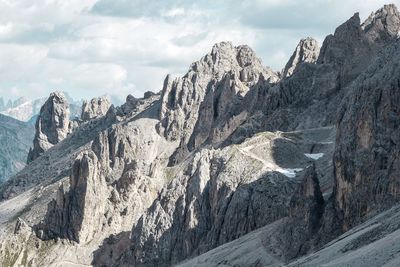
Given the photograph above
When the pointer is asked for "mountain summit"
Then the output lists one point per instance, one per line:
(306, 51)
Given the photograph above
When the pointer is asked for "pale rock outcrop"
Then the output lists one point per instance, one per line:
(52, 125)
(383, 25)
(342, 59)
(77, 214)
(311, 96)
(205, 104)
(97, 107)
(135, 105)
(218, 196)
(306, 51)
(112, 182)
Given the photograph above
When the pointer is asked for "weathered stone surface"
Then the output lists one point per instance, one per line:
(77, 214)
(97, 107)
(305, 217)
(203, 105)
(306, 51)
(220, 195)
(383, 25)
(353, 46)
(367, 156)
(52, 125)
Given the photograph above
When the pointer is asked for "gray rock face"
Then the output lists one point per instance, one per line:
(200, 106)
(305, 217)
(52, 125)
(353, 46)
(367, 155)
(131, 104)
(113, 180)
(306, 51)
(220, 195)
(96, 108)
(72, 215)
(383, 25)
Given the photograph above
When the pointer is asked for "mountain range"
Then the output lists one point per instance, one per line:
(26, 110)
(232, 164)
(15, 139)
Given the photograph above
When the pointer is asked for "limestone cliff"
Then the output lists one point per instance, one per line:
(97, 107)
(367, 155)
(51, 126)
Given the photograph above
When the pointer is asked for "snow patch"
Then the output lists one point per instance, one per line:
(314, 156)
(291, 173)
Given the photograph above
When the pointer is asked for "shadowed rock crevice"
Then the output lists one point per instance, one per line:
(367, 155)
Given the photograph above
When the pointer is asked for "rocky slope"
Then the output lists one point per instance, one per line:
(220, 195)
(15, 139)
(372, 243)
(226, 150)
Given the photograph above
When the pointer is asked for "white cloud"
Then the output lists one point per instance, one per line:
(94, 47)
(174, 12)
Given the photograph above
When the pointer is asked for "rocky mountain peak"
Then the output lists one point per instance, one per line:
(97, 107)
(222, 48)
(225, 57)
(211, 93)
(306, 51)
(383, 25)
(352, 47)
(52, 125)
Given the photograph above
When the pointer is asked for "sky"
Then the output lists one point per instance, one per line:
(90, 48)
